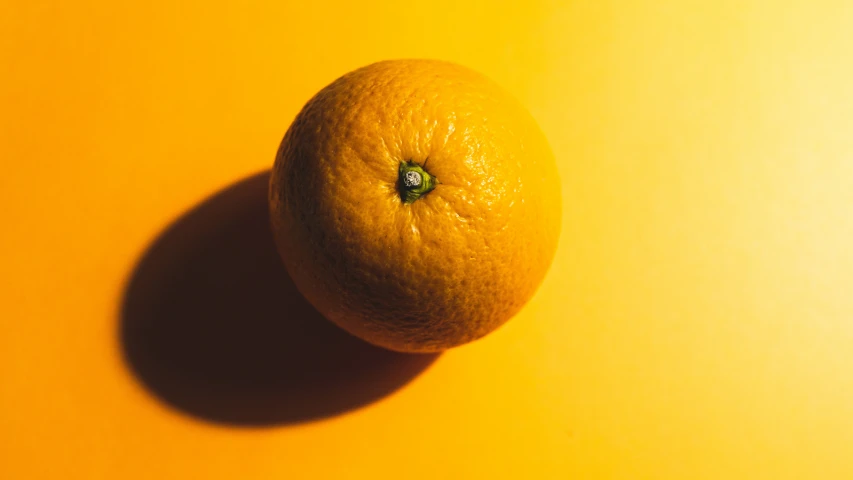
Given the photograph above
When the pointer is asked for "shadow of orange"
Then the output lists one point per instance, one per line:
(213, 325)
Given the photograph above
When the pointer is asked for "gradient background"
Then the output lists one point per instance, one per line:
(697, 322)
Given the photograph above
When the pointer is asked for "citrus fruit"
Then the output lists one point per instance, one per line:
(415, 204)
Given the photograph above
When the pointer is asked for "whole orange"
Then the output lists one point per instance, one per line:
(415, 204)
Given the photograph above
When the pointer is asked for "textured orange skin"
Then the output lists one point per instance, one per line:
(450, 267)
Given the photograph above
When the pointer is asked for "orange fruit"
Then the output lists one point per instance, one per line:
(415, 204)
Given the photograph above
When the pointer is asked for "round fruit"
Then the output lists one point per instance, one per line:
(415, 204)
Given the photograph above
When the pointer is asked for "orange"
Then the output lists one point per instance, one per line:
(415, 204)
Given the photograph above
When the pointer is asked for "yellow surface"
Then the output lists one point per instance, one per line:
(697, 322)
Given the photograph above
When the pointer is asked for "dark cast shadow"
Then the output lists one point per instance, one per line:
(212, 324)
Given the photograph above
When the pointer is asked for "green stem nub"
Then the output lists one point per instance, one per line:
(413, 181)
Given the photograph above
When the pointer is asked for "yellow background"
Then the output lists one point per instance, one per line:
(697, 322)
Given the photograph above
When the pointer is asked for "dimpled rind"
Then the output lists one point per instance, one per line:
(451, 266)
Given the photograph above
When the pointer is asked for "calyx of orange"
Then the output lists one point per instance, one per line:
(413, 181)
